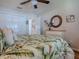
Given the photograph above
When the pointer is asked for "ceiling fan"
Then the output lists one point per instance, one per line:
(34, 2)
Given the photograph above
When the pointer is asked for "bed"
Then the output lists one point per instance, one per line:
(38, 47)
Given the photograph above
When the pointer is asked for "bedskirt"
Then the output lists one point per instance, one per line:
(38, 47)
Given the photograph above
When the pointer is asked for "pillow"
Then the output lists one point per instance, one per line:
(37, 37)
(55, 33)
(9, 36)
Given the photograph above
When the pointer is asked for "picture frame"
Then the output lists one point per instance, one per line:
(70, 18)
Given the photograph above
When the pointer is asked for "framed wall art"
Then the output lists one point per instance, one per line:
(70, 18)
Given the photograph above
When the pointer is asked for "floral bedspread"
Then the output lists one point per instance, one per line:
(36, 47)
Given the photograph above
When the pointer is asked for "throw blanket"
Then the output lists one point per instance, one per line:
(36, 47)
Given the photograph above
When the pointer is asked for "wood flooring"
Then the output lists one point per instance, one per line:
(76, 54)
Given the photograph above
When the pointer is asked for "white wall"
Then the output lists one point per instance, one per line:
(14, 20)
(17, 21)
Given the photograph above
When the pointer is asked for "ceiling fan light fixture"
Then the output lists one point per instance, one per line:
(34, 2)
(35, 6)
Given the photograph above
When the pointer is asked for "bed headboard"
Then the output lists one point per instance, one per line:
(55, 32)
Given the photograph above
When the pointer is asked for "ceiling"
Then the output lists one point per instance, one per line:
(42, 8)
(13, 4)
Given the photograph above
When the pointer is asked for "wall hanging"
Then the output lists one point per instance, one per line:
(70, 18)
(55, 22)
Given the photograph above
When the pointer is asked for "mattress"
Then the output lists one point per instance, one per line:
(38, 47)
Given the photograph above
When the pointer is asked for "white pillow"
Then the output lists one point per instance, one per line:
(55, 33)
(9, 36)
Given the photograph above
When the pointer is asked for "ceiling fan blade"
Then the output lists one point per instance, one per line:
(24, 2)
(44, 1)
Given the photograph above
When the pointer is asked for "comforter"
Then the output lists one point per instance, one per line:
(38, 47)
